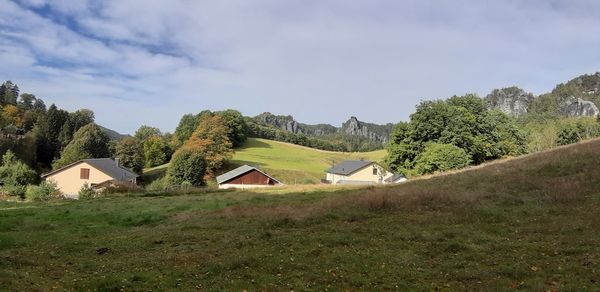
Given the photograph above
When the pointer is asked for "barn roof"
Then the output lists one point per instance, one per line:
(349, 166)
(106, 165)
(240, 171)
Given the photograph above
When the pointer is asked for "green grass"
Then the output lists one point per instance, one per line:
(527, 224)
(291, 164)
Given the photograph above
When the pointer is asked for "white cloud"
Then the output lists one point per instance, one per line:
(138, 62)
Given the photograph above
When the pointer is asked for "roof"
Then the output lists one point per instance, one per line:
(106, 165)
(349, 166)
(239, 171)
(394, 178)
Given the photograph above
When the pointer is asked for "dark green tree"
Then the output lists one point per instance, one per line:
(187, 166)
(130, 152)
(88, 142)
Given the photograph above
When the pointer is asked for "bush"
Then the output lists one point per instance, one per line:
(13, 191)
(187, 165)
(159, 184)
(45, 191)
(14, 172)
(86, 193)
(441, 157)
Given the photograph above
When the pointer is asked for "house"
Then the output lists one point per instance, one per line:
(245, 177)
(361, 172)
(95, 172)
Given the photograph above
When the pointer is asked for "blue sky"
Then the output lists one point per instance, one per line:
(149, 62)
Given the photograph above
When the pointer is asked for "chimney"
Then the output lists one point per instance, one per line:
(117, 161)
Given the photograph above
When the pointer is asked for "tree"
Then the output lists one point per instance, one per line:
(441, 157)
(212, 140)
(74, 122)
(130, 152)
(14, 172)
(156, 151)
(88, 142)
(10, 93)
(185, 128)
(145, 132)
(238, 129)
(47, 132)
(26, 102)
(187, 166)
(462, 121)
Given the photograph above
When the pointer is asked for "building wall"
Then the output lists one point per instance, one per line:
(364, 174)
(253, 177)
(69, 183)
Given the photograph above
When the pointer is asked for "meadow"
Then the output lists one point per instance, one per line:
(291, 164)
(528, 223)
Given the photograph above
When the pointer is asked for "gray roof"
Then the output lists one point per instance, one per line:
(239, 171)
(106, 165)
(349, 166)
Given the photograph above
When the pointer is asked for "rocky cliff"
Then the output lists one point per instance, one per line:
(352, 127)
(576, 98)
(513, 101)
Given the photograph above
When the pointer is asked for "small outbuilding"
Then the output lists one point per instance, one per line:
(95, 172)
(246, 177)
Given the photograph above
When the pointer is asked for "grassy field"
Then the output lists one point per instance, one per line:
(291, 164)
(527, 224)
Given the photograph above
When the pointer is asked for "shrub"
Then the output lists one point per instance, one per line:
(188, 165)
(159, 184)
(14, 172)
(13, 191)
(86, 192)
(43, 192)
(441, 157)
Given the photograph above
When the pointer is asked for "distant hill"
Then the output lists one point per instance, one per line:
(112, 134)
(359, 135)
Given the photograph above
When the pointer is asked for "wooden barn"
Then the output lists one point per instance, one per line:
(246, 177)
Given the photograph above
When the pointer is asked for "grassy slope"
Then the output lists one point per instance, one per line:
(292, 163)
(288, 162)
(528, 224)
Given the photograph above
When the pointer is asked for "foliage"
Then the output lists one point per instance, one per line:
(13, 191)
(87, 192)
(156, 151)
(188, 165)
(130, 152)
(88, 142)
(441, 157)
(462, 121)
(237, 127)
(74, 122)
(14, 172)
(146, 132)
(43, 192)
(575, 130)
(212, 140)
(185, 128)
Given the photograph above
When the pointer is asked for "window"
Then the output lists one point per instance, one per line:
(374, 170)
(84, 173)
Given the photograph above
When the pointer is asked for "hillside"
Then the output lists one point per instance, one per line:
(529, 223)
(292, 164)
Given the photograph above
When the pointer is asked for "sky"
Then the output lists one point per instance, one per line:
(137, 62)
